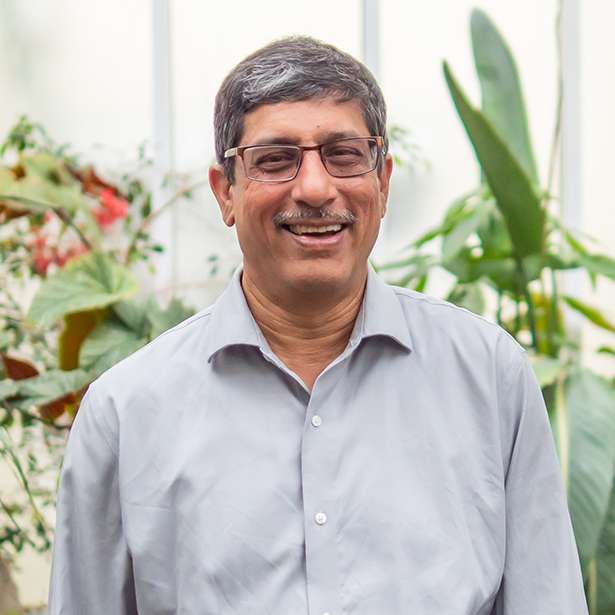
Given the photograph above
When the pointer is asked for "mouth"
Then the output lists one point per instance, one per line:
(316, 235)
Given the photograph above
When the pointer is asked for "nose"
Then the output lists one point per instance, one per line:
(313, 184)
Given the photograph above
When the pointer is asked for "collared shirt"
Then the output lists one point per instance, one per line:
(419, 476)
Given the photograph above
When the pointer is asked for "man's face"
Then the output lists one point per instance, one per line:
(273, 254)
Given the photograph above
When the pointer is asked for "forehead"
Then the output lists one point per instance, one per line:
(303, 122)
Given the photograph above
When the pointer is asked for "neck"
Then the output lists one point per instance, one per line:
(305, 332)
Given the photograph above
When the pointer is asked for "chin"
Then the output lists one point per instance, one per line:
(315, 276)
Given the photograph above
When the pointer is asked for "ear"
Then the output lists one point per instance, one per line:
(385, 178)
(221, 187)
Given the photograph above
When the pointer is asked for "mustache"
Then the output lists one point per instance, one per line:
(306, 212)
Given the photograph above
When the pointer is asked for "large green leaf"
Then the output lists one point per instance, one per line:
(110, 342)
(469, 296)
(460, 233)
(604, 562)
(46, 183)
(513, 190)
(146, 318)
(494, 238)
(598, 264)
(172, 315)
(52, 385)
(502, 97)
(546, 368)
(584, 428)
(86, 283)
(591, 313)
(8, 388)
(134, 314)
(502, 272)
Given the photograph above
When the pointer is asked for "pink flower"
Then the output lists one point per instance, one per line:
(41, 263)
(112, 208)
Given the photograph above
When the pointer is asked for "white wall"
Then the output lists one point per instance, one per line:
(597, 159)
(84, 70)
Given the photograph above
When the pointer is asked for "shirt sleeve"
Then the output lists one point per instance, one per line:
(91, 570)
(542, 573)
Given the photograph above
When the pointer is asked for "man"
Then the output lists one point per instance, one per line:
(316, 442)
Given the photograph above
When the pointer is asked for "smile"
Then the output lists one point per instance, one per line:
(302, 229)
(316, 235)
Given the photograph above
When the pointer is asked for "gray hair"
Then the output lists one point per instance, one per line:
(289, 70)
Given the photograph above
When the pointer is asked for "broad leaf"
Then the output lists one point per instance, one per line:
(590, 313)
(53, 385)
(501, 271)
(469, 296)
(494, 237)
(134, 314)
(110, 342)
(502, 97)
(18, 369)
(607, 350)
(598, 264)
(39, 193)
(8, 388)
(172, 315)
(547, 369)
(459, 234)
(86, 283)
(604, 562)
(77, 326)
(584, 430)
(513, 190)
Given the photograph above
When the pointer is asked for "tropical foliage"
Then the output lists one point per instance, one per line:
(508, 254)
(71, 244)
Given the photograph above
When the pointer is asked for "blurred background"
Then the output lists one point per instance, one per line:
(110, 78)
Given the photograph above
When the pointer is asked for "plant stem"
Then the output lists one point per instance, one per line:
(57, 210)
(554, 324)
(531, 314)
(18, 529)
(69, 222)
(8, 449)
(517, 314)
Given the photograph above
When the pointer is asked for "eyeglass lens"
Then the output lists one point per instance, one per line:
(343, 158)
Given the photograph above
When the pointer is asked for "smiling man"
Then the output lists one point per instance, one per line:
(316, 442)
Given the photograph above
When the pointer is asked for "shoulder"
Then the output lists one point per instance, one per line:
(159, 366)
(438, 324)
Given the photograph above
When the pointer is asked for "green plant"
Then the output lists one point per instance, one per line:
(74, 238)
(507, 251)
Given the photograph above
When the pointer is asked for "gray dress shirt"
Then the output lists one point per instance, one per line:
(419, 476)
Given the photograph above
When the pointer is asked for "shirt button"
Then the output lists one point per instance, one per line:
(317, 422)
(320, 518)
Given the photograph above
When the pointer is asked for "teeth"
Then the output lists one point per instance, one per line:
(300, 229)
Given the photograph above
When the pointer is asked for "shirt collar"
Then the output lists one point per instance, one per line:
(381, 314)
(232, 322)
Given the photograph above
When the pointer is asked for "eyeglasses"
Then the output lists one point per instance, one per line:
(280, 163)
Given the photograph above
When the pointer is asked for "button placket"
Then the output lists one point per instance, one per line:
(319, 454)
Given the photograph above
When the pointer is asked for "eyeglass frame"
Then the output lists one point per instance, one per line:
(238, 151)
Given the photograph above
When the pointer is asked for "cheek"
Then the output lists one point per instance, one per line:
(259, 204)
(367, 206)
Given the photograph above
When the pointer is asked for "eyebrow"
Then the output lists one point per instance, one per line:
(326, 137)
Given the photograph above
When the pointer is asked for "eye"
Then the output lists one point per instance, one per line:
(274, 158)
(343, 151)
